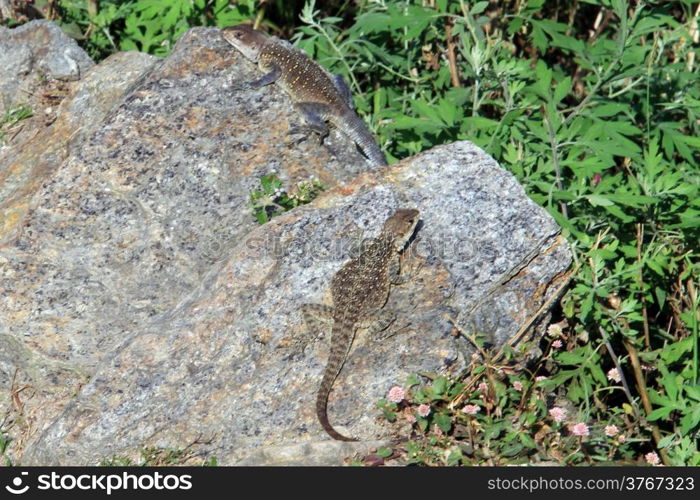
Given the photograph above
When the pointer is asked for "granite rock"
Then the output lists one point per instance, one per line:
(140, 305)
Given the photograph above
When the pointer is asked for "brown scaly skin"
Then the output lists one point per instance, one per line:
(319, 95)
(360, 290)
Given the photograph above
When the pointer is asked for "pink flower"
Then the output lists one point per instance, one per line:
(652, 458)
(614, 375)
(471, 409)
(423, 410)
(557, 344)
(558, 414)
(483, 386)
(621, 438)
(396, 394)
(580, 429)
(437, 431)
(611, 430)
(517, 385)
(540, 378)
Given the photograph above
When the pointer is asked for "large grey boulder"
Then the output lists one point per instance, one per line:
(142, 306)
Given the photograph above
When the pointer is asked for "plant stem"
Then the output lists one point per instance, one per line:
(642, 388)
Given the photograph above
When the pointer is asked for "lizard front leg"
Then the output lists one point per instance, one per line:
(271, 77)
(396, 277)
(382, 325)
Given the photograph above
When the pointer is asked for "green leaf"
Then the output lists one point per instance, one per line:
(690, 421)
(415, 124)
(693, 391)
(660, 413)
(412, 380)
(479, 123)
(439, 385)
(666, 441)
(609, 109)
(447, 112)
(422, 423)
(478, 8)
(444, 422)
(512, 449)
(374, 22)
(455, 457)
(673, 352)
(632, 200)
(562, 89)
(598, 200)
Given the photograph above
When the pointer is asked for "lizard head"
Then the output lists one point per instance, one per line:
(247, 40)
(400, 226)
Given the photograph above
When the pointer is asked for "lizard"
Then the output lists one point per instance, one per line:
(319, 95)
(359, 291)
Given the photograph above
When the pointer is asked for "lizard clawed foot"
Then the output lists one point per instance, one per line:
(382, 335)
(304, 130)
(240, 86)
(377, 324)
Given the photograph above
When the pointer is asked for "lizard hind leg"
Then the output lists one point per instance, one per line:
(314, 114)
(317, 318)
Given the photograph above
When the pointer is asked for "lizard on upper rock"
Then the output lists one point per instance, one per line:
(319, 95)
(359, 290)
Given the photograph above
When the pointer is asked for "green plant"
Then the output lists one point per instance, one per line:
(4, 443)
(506, 419)
(272, 200)
(151, 26)
(11, 118)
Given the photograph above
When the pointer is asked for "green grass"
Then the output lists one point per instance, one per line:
(594, 106)
(11, 118)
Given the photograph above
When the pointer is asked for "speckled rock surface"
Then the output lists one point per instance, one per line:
(142, 306)
(37, 49)
(216, 369)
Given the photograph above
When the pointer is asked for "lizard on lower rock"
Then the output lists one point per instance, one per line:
(319, 95)
(359, 290)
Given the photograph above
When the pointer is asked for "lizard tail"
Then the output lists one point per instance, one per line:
(355, 128)
(335, 363)
(322, 412)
